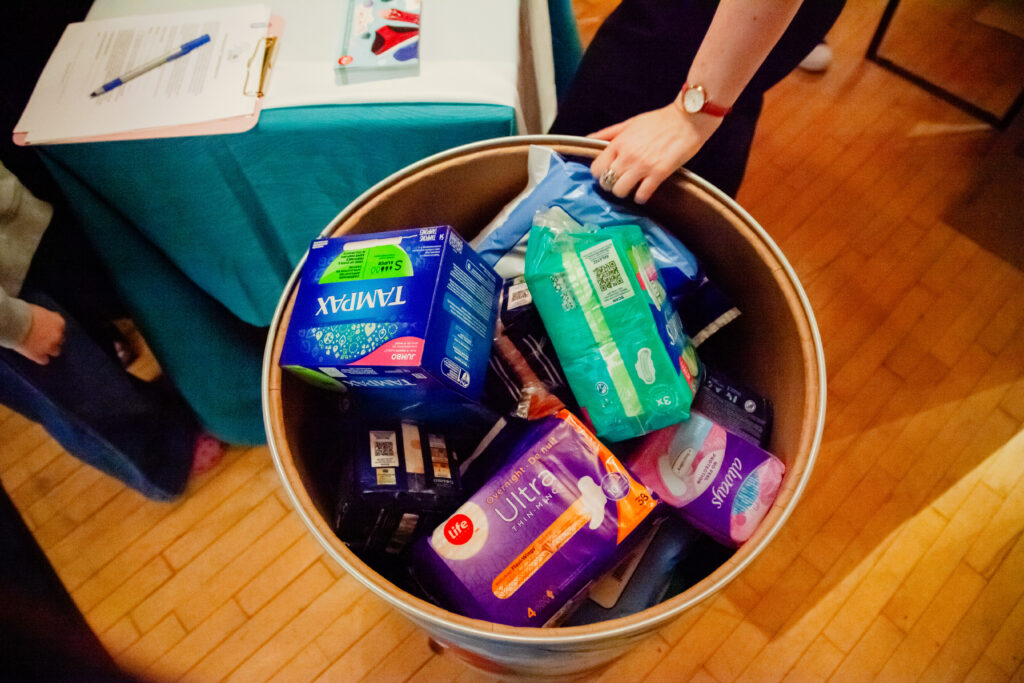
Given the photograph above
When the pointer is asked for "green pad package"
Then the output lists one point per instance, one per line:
(622, 346)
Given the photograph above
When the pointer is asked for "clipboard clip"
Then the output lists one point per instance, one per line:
(259, 67)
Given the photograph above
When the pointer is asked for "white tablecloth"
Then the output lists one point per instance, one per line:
(471, 51)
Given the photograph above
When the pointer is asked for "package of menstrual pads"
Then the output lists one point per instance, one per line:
(719, 482)
(630, 365)
(411, 311)
(569, 185)
(538, 531)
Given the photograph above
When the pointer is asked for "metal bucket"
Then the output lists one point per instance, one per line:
(775, 348)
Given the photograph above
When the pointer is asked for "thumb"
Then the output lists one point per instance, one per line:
(37, 358)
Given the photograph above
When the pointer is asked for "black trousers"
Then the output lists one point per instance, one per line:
(639, 59)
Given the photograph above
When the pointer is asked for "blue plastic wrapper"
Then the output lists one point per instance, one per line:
(569, 185)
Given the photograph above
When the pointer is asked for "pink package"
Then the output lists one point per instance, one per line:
(719, 482)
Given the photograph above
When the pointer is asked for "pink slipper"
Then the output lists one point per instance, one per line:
(206, 453)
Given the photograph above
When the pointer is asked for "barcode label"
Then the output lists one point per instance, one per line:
(439, 457)
(519, 295)
(606, 273)
(386, 476)
(403, 533)
(383, 449)
(413, 448)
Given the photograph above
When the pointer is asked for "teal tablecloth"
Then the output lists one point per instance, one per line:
(202, 233)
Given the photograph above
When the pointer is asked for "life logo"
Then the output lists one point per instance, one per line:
(459, 529)
(462, 535)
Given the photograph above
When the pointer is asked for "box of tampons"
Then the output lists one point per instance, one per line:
(403, 310)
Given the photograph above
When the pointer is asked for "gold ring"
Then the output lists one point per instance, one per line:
(608, 179)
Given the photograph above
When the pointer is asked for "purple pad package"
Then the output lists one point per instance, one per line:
(719, 482)
(538, 532)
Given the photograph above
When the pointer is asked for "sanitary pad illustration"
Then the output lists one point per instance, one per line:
(538, 532)
(719, 482)
(403, 310)
(622, 347)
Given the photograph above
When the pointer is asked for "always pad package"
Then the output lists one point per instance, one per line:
(622, 347)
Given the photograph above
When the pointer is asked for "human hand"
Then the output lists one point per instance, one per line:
(646, 149)
(45, 336)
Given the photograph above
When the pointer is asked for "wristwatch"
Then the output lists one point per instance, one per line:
(695, 100)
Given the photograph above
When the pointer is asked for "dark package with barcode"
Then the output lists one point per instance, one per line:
(524, 377)
(736, 407)
(397, 478)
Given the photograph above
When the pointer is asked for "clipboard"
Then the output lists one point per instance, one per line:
(256, 83)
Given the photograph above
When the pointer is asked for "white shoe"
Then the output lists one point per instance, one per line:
(818, 59)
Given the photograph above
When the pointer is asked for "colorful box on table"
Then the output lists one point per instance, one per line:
(380, 39)
(410, 311)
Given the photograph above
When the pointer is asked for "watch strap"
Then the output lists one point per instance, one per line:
(709, 106)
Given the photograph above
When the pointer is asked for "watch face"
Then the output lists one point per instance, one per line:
(693, 99)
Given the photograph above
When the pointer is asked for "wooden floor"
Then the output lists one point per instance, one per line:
(904, 561)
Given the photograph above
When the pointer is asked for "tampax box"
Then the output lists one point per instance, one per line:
(408, 310)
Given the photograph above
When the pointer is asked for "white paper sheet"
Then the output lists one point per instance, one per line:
(207, 84)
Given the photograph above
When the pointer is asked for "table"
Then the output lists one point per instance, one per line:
(202, 233)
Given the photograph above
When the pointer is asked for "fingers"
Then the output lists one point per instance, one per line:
(648, 185)
(46, 334)
(616, 176)
(609, 132)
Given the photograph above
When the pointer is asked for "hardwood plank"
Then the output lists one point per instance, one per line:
(637, 663)
(1006, 649)
(966, 643)
(181, 588)
(405, 660)
(375, 646)
(205, 599)
(921, 584)
(818, 662)
(214, 630)
(299, 632)
(292, 562)
(870, 653)
(956, 596)
(260, 627)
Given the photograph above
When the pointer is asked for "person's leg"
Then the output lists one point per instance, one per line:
(808, 28)
(637, 61)
(101, 414)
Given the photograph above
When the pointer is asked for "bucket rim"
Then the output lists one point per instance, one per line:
(439, 618)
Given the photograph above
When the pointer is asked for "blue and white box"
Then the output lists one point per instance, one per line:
(403, 310)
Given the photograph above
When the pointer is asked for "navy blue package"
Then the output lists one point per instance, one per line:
(736, 407)
(397, 477)
(524, 377)
(641, 578)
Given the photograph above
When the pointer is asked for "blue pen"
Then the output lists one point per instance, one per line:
(149, 66)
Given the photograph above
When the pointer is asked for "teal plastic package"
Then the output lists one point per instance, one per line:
(621, 344)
